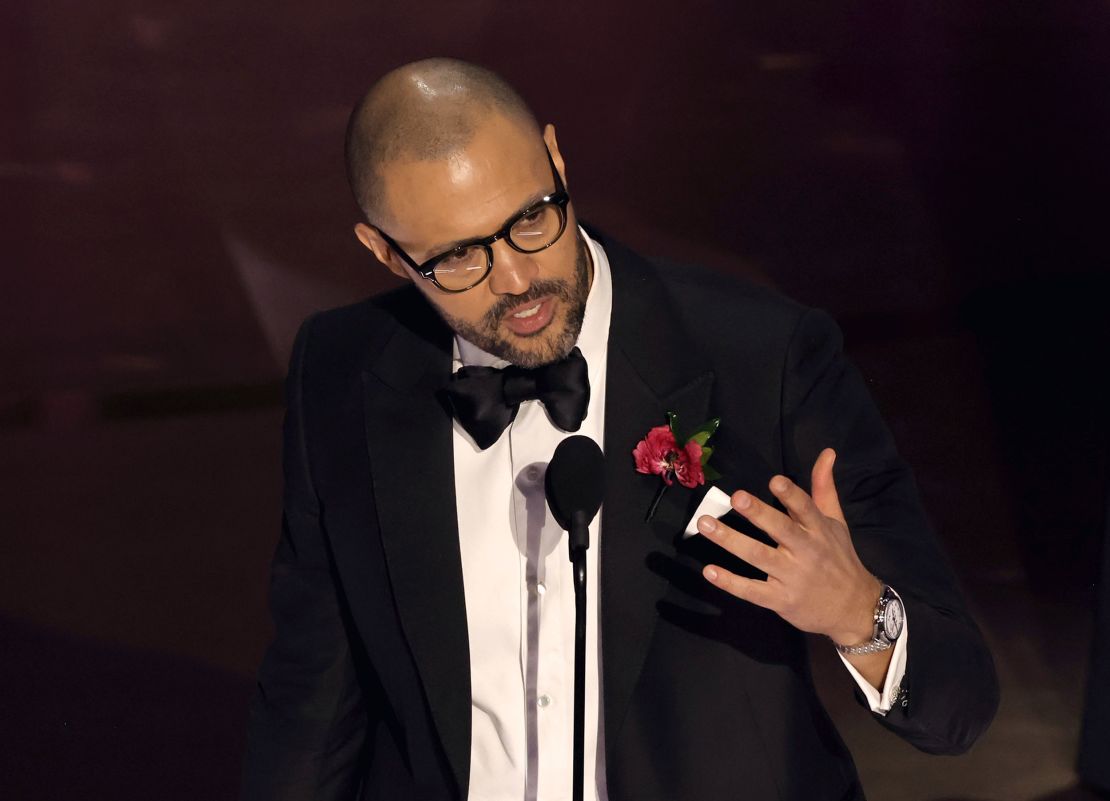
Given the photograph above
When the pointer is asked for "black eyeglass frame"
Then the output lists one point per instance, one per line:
(559, 198)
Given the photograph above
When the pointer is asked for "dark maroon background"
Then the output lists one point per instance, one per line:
(173, 203)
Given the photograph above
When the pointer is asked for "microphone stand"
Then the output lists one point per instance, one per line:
(575, 488)
(579, 541)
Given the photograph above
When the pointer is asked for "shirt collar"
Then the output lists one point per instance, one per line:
(593, 339)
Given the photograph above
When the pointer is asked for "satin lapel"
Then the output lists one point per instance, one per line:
(408, 433)
(653, 368)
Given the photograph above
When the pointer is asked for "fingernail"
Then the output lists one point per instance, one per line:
(779, 484)
(711, 574)
(707, 524)
(743, 500)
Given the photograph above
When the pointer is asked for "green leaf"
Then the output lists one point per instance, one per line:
(703, 432)
(705, 454)
(710, 473)
(672, 421)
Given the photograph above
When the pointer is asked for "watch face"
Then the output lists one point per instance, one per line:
(892, 619)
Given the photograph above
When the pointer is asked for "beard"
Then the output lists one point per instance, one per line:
(551, 346)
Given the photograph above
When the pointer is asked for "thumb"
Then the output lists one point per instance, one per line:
(824, 488)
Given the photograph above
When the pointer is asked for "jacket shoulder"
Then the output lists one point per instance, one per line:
(734, 313)
(348, 337)
(714, 301)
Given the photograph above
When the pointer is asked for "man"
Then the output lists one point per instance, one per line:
(421, 592)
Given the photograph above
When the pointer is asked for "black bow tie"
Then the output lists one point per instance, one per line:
(486, 399)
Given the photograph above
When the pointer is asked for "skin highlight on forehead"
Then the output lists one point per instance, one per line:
(460, 169)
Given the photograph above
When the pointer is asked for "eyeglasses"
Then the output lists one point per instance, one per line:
(467, 264)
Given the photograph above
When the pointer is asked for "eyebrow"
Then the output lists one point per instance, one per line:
(448, 246)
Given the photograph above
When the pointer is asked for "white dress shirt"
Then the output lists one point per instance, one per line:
(520, 597)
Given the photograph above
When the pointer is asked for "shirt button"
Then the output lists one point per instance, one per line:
(533, 474)
(540, 588)
(543, 701)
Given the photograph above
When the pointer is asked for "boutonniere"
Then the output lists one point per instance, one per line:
(660, 454)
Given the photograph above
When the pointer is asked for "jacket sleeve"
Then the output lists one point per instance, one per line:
(949, 691)
(308, 717)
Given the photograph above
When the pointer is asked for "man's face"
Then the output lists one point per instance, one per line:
(529, 309)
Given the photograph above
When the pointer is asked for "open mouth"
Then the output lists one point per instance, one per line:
(528, 312)
(531, 317)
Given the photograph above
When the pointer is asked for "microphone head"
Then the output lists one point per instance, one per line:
(575, 480)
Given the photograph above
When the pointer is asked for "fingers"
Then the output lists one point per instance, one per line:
(755, 553)
(798, 503)
(804, 511)
(824, 488)
(757, 592)
(783, 528)
(778, 526)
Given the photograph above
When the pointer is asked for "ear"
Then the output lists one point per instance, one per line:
(373, 241)
(553, 147)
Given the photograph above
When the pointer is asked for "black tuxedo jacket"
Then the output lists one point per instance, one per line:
(365, 690)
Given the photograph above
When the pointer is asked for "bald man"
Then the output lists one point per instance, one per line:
(421, 590)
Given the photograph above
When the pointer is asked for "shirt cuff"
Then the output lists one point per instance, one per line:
(881, 704)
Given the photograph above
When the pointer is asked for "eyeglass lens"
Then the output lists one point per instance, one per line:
(462, 268)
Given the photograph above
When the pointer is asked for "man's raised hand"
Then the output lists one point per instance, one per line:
(815, 580)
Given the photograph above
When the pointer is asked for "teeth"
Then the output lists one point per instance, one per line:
(529, 312)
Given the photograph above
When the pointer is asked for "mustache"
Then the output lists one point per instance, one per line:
(535, 291)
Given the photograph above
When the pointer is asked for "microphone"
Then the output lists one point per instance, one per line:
(575, 485)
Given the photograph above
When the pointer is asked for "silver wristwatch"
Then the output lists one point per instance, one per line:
(888, 625)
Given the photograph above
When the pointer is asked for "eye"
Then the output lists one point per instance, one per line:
(463, 259)
(454, 259)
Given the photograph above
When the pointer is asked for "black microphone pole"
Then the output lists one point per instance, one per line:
(575, 486)
(579, 542)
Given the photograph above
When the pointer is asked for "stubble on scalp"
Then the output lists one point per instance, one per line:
(486, 332)
(423, 111)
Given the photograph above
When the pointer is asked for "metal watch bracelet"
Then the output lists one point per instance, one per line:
(879, 640)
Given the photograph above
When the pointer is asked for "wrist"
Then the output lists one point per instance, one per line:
(859, 623)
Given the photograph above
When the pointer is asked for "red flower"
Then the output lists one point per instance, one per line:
(655, 452)
(659, 454)
(687, 466)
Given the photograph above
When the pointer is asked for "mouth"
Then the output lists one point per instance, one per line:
(531, 317)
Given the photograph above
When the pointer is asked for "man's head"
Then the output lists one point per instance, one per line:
(442, 152)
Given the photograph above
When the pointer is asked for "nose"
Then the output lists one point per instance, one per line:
(513, 272)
